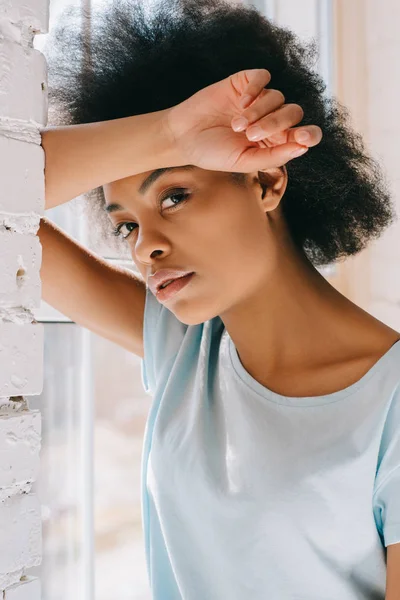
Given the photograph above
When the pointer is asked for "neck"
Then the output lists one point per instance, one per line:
(295, 319)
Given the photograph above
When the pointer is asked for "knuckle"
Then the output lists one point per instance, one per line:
(251, 115)
(272, 122)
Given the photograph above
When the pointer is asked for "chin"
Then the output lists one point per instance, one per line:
(191, 315)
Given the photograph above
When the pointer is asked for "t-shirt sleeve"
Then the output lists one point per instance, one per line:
(386, 498)
(163, 334)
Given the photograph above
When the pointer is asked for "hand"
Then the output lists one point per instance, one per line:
(202, 126)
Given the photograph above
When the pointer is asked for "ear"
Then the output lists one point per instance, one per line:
(273, 182)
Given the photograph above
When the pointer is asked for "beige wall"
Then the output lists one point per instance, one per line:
(368, 83)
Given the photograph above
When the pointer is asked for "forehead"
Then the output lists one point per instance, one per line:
(142, 181)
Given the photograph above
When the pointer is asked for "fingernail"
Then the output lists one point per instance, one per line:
(240, 123)
(302, 136)
(298, 152)
(255, 133)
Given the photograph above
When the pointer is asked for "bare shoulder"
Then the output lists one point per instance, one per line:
(382, 340)
(386, 337)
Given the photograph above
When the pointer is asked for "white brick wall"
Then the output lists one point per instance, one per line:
(23, 111)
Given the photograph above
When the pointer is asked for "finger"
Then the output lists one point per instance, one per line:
(275, 122)
(313, 135)
(257, 80)
(280, 138)
(266, 103)
(262, 159)
(263, 93)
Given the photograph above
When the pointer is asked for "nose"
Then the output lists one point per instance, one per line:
(150, 245)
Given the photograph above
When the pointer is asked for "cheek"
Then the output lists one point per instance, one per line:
(242, 237)
(242, 254)
(224, 225)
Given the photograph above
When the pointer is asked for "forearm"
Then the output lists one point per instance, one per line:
(79, 158)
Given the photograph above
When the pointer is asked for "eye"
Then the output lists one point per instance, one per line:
(127, 224)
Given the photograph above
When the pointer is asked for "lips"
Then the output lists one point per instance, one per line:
(162, 275)
(162, 286)
(169, 292)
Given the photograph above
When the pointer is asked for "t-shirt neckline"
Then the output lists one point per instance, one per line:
(269, 394)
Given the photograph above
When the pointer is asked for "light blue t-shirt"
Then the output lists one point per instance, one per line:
(250, 495)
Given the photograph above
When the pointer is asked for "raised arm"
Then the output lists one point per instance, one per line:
(79, 158)
(106, 299)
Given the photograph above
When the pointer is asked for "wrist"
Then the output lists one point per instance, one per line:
(168, 152)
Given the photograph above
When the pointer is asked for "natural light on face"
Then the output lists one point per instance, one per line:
(195, 220)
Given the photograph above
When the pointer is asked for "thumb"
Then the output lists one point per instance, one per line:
(259, 159)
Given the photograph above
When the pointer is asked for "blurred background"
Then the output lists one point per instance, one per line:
(93, 404)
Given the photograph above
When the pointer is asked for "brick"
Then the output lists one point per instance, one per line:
(19, 451)
(22, 191)
(20, 261)
(26, 70)
(21, 359)
(21, 537)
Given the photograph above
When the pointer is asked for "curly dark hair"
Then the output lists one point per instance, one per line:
(128, 59)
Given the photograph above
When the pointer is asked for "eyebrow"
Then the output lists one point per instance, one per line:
(152, 178)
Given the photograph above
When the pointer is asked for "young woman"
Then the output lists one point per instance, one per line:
(272, 448)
